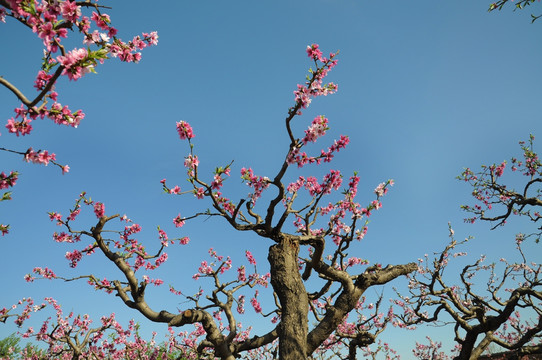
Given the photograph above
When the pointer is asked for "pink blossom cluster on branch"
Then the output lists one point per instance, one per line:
(52, 22)
(20, 318)
(131, 248)
(315, 86)
(496, 201)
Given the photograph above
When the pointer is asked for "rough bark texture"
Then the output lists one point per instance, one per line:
(288, 285)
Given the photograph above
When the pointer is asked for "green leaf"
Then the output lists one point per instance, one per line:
(6, 196)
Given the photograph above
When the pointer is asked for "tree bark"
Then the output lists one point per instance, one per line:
(287, 283)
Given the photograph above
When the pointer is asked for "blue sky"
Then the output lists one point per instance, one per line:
(425, 89)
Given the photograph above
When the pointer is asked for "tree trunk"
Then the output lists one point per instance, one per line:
(467, 346)
(287, 283)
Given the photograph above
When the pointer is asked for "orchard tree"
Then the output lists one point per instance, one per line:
(311, 235)
(496, 201)
(508, 312)
(53, 21)
(76, 337)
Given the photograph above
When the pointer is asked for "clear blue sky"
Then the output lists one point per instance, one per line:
(425, 89)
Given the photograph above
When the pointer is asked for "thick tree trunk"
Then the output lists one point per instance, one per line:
(467, 346)
(287, 283)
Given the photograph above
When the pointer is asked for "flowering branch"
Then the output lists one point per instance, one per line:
(50, 21)
(490, 192)
(29, 308)
(487, 316)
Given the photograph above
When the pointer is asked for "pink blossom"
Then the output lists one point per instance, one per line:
(317, 129)
(161, 259)
(64, 237)
(130, 230)
(259, 183)
(74, 63)
(241, 304)
(7, 181)
(199, 193)
(151, 38)
(99, 209)
(241, 274)
(70, 10)
(191, 163)
(217, 182)
(313, 52)
(178, 221)
(41, 80)
(74, 257)
(42, 157)
(499, 170)
(102, 20)
(22, 127)
(45, 273)
(255, 303)
(176, 190)
(74, 213)
(185, 130)
(205, 269)
(250, 258)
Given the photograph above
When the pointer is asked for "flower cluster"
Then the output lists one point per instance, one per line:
(45, 273)
(74, 63)
(218, 266)
(317, 129)
(178, 221)
(42, 157)
(28, 308)
(332, 180)
(314, 85)
(250, 258)
(22, 127)
(51, 21)
(295, 156)
(191, 162)
(7, 181)
(492, 194)
(185, 130)
(74, 257)
(99, 209)
(258, 183)
(255, 303)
